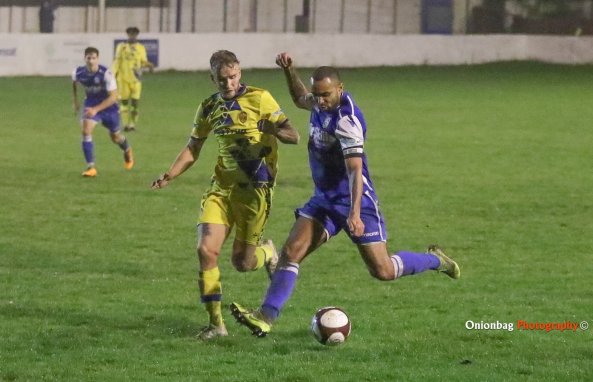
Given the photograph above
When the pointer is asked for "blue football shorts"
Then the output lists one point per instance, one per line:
(108, 118)
(332, 216)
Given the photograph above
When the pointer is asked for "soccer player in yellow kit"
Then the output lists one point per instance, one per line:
(247, 123)
(130, 60)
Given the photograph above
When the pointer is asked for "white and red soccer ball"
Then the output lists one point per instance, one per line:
(331, 326)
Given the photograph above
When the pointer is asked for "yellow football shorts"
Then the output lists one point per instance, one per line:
(129, 90)
(245, 208)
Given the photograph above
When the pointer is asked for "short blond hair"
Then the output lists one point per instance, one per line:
(222, 58)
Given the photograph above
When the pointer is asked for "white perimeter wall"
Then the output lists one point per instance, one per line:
(58, 54)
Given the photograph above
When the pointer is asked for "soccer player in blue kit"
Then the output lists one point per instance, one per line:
(344, 198)
(100, 105)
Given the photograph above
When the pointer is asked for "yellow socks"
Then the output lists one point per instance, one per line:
(211, 294)
(263, 253)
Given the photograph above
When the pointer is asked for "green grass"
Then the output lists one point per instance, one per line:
(494, 162)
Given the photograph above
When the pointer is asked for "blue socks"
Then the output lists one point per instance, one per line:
(409, 263)
(284, 279)
(280, 289)
(88, 149)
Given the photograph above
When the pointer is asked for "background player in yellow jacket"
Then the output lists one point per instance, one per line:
(130, 60)
(247, 123)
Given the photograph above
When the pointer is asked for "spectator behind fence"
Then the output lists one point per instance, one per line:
(46, 16)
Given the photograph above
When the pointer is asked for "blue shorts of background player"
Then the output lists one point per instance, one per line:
(109, 118)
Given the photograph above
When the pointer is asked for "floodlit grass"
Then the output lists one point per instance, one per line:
(494, 162)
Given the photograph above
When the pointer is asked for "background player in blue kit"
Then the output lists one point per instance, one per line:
(344, 198)
(100, 105)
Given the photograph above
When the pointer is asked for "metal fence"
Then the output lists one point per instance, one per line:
(202, 16)
(300, 16)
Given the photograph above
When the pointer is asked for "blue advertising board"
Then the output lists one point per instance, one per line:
(437, 16)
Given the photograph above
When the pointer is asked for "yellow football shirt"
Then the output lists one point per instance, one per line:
(246, 156)
(129, 61)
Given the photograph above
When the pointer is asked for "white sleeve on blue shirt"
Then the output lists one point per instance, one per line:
(349, 133)
(110, 82)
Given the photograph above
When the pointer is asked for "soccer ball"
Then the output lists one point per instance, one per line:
(330, 326)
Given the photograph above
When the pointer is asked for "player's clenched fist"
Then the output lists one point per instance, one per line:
(161, 182)
(283, 60)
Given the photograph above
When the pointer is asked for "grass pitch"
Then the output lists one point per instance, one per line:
(493, 162)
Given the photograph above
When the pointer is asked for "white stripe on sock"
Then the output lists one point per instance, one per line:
(291, 267)
(398, 266)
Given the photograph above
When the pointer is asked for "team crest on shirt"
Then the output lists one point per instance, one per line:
(97, 80)
(242, 117)
(320, 138)
(326, 122)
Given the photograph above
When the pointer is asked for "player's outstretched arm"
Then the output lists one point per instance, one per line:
(144, 62)
(354, 170)
(297, 89)
(185, 159)
(75, 103)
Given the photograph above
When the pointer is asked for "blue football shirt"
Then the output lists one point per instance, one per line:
(333, 136)
(97, 85)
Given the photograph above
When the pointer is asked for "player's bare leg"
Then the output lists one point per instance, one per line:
(384, 266)
(134, 113)
(120, 140)
(248, 257)
(378, 262)
(124, 112)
